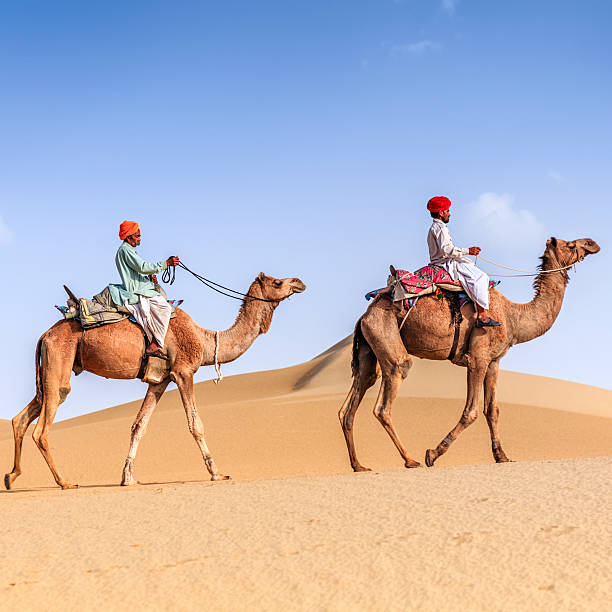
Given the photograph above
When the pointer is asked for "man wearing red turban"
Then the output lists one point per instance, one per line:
(443, 253)
(138, 293)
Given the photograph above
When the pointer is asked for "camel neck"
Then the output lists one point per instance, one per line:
(537, 317)
(253, 319)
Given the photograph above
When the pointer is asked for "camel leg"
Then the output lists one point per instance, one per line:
(53, 396)
(491, 411)
(393, 375)
(139, 427)
(21, 422)
(382, 334)
(185, 385)
(476, 374)
(362, 381)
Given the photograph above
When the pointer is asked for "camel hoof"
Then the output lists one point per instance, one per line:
(128, 482)
(411, 463)
(360, 468)
(220, 477)
(7, 482)
(67, 485)
(430, 457)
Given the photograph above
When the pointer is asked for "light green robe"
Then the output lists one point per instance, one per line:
(134, 273)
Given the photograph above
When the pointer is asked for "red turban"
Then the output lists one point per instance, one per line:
(127, 228)
(438, 204)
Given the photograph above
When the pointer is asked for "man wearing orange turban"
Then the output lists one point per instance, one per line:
(137, 291)
(443, 253)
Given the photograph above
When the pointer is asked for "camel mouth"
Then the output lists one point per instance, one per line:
(587, 247)
(298, 286)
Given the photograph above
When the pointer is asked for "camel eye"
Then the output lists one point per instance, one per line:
(277, 283)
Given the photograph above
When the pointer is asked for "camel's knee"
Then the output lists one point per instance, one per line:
(469, 417)
(20, 425)
(491, 411)
(137, 430)
(405, 367)
(196, 429)
(40, 438)
(399, 369)
(63, 393)
(383, 415)
(344, 414)
(347, 417)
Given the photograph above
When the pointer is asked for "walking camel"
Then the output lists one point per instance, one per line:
(381, 348)
(115, 351)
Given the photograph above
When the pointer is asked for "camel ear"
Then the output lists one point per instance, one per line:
(261, 276)
(552, 242)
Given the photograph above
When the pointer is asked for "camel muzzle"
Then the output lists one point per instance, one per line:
(297, 286)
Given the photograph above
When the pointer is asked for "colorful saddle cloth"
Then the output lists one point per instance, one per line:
(409, 286)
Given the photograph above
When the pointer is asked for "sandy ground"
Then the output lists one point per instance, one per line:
(296, 529)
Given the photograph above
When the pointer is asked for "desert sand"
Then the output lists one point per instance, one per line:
(296, 529)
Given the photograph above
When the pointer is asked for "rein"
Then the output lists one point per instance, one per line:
(525, 272)
(169, 276)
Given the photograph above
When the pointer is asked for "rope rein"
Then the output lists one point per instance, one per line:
(217, 364)
(169, 275)
(524, 272)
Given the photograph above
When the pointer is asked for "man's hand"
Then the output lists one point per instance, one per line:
(474, 250)
(153, 277)
(173, 261)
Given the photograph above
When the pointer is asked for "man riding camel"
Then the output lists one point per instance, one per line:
(138, 293)
(443, 253)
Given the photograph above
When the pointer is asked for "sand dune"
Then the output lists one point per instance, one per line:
(410, 539)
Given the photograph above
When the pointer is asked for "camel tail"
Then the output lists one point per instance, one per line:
(39, 388)
(358, 342)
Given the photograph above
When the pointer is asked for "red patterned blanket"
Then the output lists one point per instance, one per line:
(409, 286)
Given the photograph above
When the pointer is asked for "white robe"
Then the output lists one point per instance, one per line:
(153, 315)
(443, 253)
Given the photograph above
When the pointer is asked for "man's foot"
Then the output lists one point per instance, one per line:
(157, 353)
(487, 323)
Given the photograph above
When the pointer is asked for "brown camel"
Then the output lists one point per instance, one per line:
(115, 351)
(380, 347)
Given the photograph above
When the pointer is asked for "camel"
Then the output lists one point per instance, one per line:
(115, 351)
(381, 348)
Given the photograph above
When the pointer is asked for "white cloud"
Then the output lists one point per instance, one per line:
(6, 236)
(556, 176)
(500, 223)
(417, 48)
(448, 6)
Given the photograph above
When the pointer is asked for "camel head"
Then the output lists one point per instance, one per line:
(570, 252)
(278, 289)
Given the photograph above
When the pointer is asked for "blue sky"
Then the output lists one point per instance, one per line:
(299, 138)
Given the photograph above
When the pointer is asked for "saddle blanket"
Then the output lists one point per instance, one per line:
(409, 286)
(101, 310)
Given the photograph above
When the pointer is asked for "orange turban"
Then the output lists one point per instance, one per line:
(127, 228)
